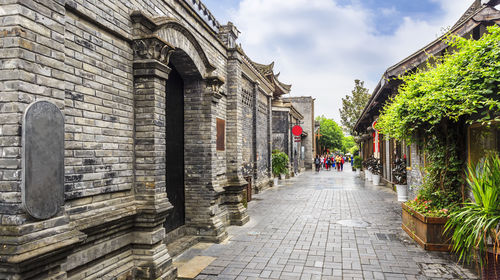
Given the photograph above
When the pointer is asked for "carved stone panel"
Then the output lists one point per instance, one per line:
(43, 160)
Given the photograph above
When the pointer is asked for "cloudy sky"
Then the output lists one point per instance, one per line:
(321, 46)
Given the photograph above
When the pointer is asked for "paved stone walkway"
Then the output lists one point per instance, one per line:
(329, 225)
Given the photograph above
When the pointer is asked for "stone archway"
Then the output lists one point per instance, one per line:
(159, 44)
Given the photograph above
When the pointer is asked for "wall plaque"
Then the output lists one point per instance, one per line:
(221, 134)
(43, 160)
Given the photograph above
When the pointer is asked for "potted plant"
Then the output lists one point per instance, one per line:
(279, 165)
(424, 219)
(357, 164)
(475, 227)
(366, 168)
(370, 164)
(376, 171)
(399, 174)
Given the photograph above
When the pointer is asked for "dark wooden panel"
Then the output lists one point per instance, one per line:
(221, 134)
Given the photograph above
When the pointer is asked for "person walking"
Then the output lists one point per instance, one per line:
(342, 163)
(317, 162)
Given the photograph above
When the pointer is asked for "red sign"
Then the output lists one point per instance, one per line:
(296, 139)
(297, 130)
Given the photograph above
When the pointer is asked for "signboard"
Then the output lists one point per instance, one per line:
(297, 130)
(296, 138)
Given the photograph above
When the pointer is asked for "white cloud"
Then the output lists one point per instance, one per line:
(320, 47)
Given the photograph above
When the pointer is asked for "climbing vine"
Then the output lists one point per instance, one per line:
(433, 104)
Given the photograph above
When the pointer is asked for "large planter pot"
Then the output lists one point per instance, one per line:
(358, 172)
(370, 176)
(376, 179)
(491, 267)
(275, 181)
(402, 192)
(426, 231)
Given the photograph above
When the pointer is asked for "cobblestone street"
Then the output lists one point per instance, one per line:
(329, 225)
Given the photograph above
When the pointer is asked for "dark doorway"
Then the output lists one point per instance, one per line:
(175, 149)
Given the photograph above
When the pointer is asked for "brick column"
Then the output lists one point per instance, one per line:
(150, 75)
(255, 162)
(269, 136)
(236, 183)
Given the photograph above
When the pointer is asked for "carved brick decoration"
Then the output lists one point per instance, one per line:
(152, 48)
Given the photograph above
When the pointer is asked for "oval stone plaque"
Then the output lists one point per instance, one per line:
(43, 160)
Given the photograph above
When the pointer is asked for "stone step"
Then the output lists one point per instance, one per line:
(181, 244)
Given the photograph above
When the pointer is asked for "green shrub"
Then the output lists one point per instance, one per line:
(279, 162)
(357, 162)
(475, 226)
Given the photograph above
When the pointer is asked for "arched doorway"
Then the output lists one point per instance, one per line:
(175, 149)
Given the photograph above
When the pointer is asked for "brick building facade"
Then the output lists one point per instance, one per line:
(165, 119)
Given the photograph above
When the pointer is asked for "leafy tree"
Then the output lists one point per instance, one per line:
(332, 136)
(353, 105)
(348, 144)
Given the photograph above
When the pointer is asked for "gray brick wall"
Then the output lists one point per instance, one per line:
(414, 175)
(99, 63)
(262, 148)
(305, 105)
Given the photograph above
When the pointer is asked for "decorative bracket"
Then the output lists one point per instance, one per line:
(152, 48)
(214, 84)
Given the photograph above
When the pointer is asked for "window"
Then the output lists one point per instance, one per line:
(481, 140)
(221, 134)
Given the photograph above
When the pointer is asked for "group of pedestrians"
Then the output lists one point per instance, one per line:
(330, 161)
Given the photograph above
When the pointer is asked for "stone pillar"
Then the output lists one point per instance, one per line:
(255, 139)
(269, 136)
(150, 75)
(236, 183)
(203, 190)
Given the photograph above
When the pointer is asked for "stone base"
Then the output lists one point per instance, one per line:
(233, 202)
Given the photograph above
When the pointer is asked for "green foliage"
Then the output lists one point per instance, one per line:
(357, 162)
(353, 105)
(348, 144)
(332, 136)
(428, 207)
(279, 162)
(354, 150)
(460, 84)
(436, 200)
(479, 220)
(433, 104)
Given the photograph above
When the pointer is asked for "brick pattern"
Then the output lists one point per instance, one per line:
(31, 50)
(99, 111)
(262, 123)
(414, 176)
(305, 105)
(248, 141)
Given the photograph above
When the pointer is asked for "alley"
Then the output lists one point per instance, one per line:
(329, 225)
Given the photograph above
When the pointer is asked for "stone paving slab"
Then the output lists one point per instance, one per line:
(330, 225)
